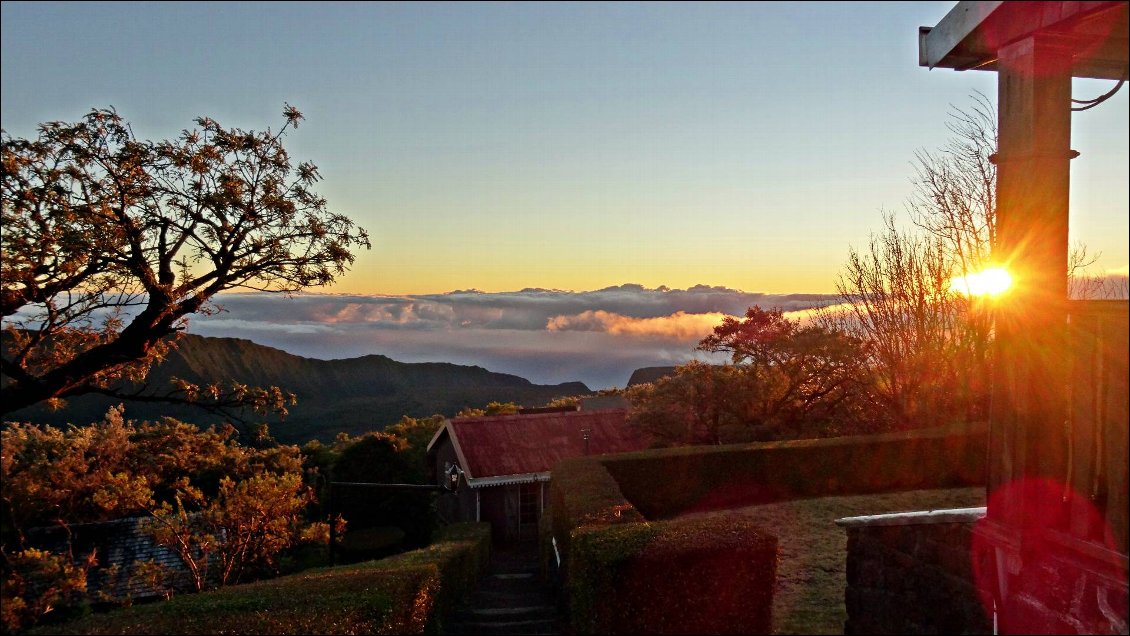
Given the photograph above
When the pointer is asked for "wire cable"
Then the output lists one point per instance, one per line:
(1091, 103)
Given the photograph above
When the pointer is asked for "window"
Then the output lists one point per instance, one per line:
(528, 496)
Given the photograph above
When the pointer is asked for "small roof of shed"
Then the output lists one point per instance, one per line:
(970, 35)
(506, 449)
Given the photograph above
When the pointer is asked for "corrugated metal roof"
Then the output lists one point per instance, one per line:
(119, 545)
(500, 445)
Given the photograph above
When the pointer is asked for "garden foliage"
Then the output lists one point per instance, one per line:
(410, 593)
(227, 510)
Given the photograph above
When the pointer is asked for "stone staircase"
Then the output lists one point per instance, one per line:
(511, 598)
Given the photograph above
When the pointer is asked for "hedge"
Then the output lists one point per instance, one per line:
(716, 574)
(581, 493)
(669, 482)
(712, 575)
(625, 575)
(409, 593)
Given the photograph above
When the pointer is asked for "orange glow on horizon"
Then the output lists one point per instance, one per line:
(990, 282)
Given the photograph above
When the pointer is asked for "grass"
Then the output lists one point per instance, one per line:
(360, 598)
(811, 570)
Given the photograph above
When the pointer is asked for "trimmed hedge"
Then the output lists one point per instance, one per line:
(625, 575)
(712, 575)
(583, 493)
(409, 593)
(716, 574)
(669, 482)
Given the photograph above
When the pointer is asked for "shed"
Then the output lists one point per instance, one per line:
(506, 461)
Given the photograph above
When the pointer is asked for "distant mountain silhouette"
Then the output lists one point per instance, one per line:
(353, 395)
(646, 375)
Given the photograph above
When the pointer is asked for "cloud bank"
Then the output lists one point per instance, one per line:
(545, 335)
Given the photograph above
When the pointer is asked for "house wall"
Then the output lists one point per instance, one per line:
(1059, 485)
(912, 576)
(1051, 583)
(498, 505)
(493, 509)
(457, 506)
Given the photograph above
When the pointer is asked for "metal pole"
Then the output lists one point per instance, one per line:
(362, 484)
(333, 522)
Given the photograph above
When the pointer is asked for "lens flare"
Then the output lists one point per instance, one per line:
(991, 282)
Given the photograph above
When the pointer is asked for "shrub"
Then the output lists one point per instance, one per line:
(668, 482)
(383, 458)
(35, 583)
(711, 575)
(582, 493)
(226, 509)
(624, 574)
(405, 594)
(716, 574)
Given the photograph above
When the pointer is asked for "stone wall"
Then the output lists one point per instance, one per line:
(912, 573)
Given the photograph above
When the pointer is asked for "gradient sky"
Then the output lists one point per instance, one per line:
(568, 146)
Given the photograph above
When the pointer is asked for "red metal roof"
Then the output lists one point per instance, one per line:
(498, 445)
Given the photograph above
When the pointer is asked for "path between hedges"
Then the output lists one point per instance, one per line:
(511, 598)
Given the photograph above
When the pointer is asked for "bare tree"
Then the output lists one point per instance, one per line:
(110, 243)
(929, 345)
(954, 198)
(926, 347)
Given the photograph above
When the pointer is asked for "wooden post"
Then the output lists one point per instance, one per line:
(1029, 410)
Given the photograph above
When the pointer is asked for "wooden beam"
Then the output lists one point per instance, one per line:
(1029, 411)
(972, 33)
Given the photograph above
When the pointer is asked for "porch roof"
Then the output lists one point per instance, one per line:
(969, 36)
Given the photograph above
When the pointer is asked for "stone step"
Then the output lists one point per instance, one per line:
(545, 626)
(513, 576)
(510, 597)
(483, 613)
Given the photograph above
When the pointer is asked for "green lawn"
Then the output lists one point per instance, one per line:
(813, 550)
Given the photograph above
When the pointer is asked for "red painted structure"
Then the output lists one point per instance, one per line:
(506, 461)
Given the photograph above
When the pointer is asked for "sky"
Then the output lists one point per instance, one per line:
(570, 147)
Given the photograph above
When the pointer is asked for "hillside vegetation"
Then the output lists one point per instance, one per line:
(353, 395)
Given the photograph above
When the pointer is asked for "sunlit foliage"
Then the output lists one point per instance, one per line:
(226, 509)
(785, 381)
(492, 408)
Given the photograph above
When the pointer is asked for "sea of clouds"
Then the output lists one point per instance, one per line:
(545, 335)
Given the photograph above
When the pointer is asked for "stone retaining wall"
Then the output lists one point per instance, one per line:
(912, 573)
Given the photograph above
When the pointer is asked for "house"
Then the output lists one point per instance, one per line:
(506, 461)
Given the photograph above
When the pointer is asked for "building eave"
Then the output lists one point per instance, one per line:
(506, 480)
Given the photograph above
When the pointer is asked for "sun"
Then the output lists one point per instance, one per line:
(990, 282)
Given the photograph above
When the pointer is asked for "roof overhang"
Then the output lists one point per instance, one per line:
(506, 480)
(479, 482)
(972, 33)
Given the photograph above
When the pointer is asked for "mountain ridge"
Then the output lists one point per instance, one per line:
(350, 395)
